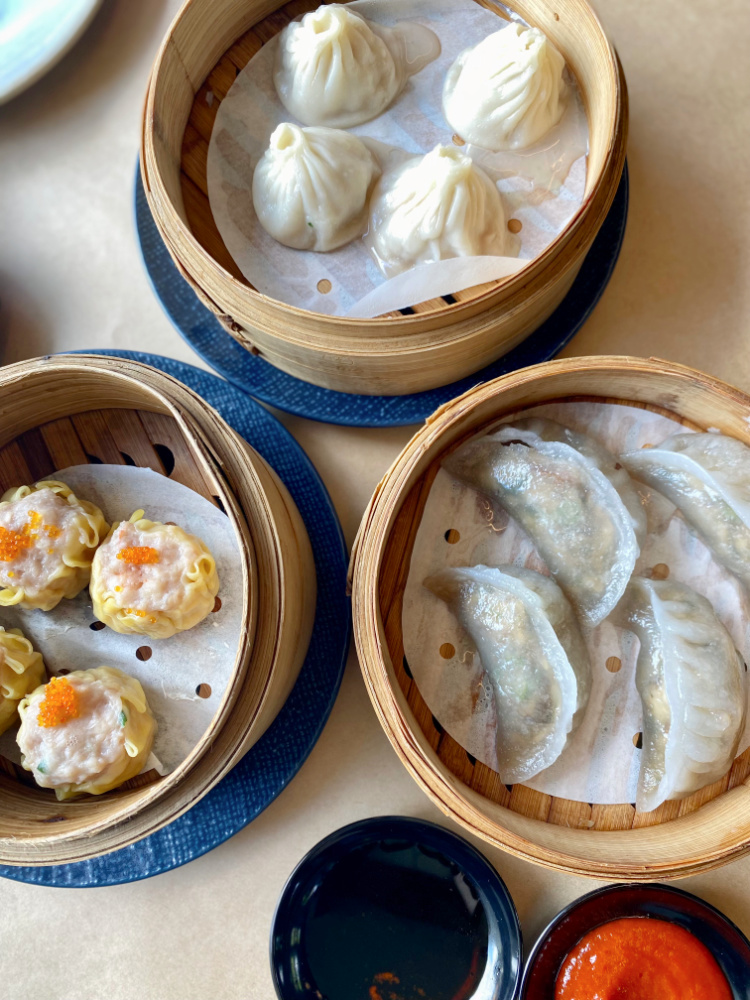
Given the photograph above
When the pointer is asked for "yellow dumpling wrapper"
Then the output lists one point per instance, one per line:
(152, 579)
(21, 670)
(47, 542)
(87, 732)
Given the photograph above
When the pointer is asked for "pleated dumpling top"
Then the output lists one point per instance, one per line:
(507, 91)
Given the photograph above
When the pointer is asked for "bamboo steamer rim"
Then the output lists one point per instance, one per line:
(267, 660)
(599, 195)
(638, 854)
(204, 449)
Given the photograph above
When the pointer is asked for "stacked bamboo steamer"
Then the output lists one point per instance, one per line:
(59, 407)
(679, 838)
(437, 341)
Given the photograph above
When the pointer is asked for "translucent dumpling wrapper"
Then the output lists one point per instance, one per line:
(337, 69)
(603, 459)
(87, 732)
(707, 477)
(21, 670)
(691, 681)
(152, 579)
(567, 506)
(506, 92)
(534, 656)
(435, 207)
(312, 185)
(48, 537)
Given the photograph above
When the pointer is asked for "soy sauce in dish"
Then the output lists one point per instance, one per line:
(395, 920)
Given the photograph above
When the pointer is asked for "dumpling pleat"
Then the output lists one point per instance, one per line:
(533, 655)
(565, 504)
(691, 681)
(706, 476)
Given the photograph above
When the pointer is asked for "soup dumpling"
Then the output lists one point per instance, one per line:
(21, 670)
(47, 542)
(507, 91)
(152, 579)
(335, 68)
(87, 732)
(311, 187)
(435, 207)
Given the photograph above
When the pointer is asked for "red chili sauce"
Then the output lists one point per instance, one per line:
(638, 958)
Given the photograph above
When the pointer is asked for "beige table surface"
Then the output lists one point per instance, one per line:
(71, 277)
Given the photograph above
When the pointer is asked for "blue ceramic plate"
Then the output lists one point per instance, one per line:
(727, 943)
(209, 339)
(394, 906)
(36, 34)
(274, 760)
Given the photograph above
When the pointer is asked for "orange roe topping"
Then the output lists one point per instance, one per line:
(135, 611)
(13, 543)
(138, 555)
(60, 703)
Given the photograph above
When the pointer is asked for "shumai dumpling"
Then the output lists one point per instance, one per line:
(87, 732)
(21, 670)
(507, 91)
(153, 579)
(47, 541)
(312, 185)
(435, 207)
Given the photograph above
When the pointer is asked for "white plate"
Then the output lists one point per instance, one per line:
(34, 35)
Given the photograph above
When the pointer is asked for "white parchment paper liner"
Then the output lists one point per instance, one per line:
(601, 762)
(542, 187)
(202, 655)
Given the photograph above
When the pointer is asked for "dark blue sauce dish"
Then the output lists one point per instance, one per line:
(394, 908)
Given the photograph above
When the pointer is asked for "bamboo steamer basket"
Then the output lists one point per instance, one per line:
(430, 343)
(64, 411)
(679, 838)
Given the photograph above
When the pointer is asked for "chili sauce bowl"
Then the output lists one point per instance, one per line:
(728, 945)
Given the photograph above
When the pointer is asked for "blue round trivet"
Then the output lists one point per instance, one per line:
(277, 756)
(253, 375)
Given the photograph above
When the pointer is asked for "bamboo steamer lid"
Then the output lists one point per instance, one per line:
(429, 344)
(68, 401)
(680, 838)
